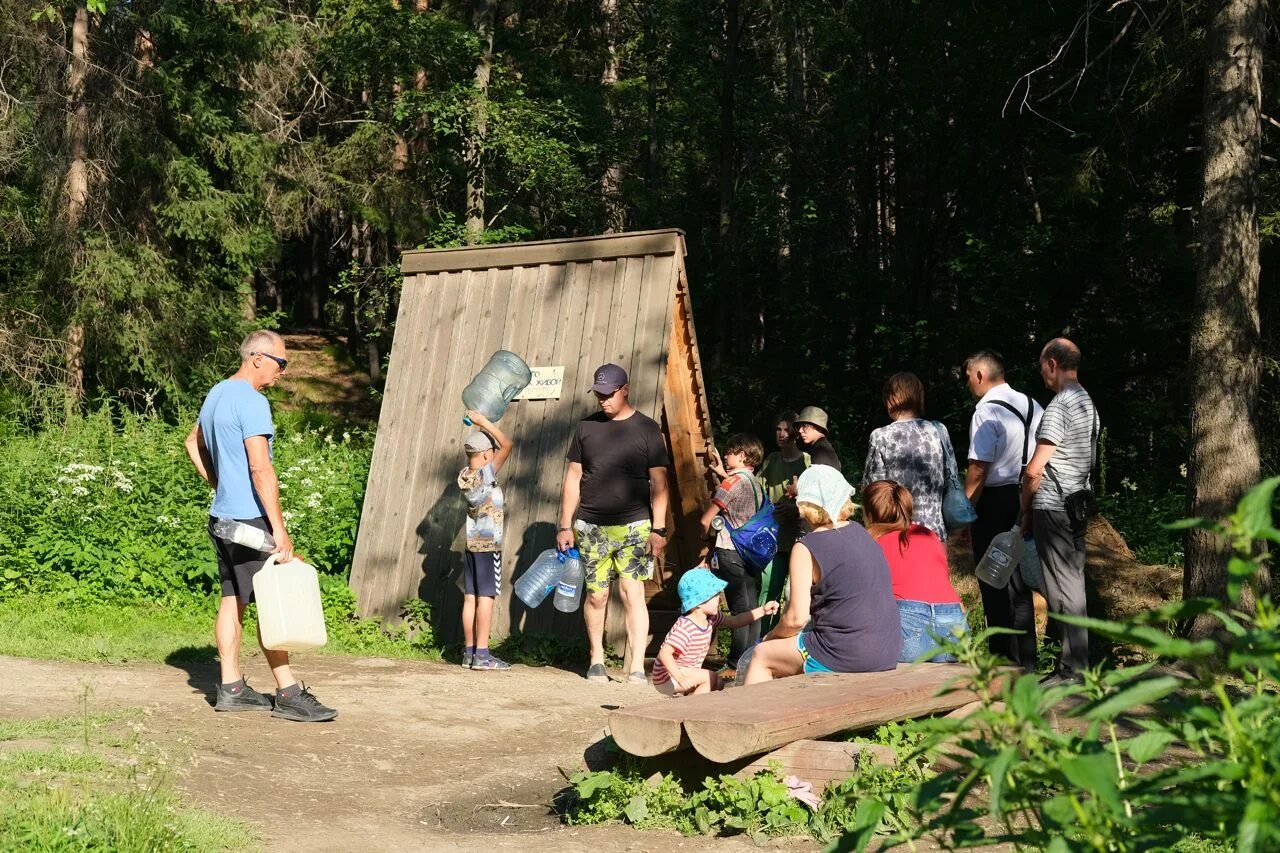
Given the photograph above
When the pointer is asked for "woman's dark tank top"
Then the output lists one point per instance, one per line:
(855, 619)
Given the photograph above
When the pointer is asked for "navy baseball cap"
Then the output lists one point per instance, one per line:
(609, 378)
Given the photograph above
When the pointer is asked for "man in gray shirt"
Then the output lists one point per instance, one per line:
(1066, 443)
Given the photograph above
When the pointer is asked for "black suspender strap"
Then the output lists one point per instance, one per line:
(1026, 424)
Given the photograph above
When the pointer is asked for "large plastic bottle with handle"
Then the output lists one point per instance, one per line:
(569, 587)
(496, 385)
(541, 578)
(997, 565)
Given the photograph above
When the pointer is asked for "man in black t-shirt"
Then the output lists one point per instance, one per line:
(616, 486)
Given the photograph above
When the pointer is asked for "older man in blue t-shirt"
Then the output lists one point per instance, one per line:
(230, 447)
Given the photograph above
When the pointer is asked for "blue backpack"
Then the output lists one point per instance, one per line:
(757, 539)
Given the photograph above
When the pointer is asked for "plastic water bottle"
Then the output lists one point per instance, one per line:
(1001, 558)
(540, 580)
(1029, 565)
(496, 385)
(230, 530)
(569, 589)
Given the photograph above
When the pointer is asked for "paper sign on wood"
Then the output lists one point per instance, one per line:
(546, 385)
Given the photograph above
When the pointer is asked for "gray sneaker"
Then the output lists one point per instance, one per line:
(637, 677)
(466, 660)
(243, 698)
(489, 663)
(303, 707)
(596, 672)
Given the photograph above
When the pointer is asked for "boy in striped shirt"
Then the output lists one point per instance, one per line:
(678, 669)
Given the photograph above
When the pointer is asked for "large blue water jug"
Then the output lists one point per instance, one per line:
(496, 385)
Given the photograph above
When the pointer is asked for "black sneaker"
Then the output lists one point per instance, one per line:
(303, 707)
(245, 698)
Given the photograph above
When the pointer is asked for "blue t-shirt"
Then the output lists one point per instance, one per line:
(232, 412)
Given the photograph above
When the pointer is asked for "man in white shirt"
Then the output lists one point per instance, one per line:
(1001, 440)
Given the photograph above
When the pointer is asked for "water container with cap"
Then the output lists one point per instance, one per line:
(496, 385)
(569, 588)
(540, 579)
(1001, 558)
(290, 614)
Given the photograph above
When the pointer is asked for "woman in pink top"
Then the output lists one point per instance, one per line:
(928, 605)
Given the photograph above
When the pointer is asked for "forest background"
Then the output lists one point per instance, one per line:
(866, 186)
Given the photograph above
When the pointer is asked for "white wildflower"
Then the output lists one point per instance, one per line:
(79, 491)
(288, 516)
(307, 481)
(313, 500)
(346, 436)
(296, 438)
(1126, 483)
(122, 482)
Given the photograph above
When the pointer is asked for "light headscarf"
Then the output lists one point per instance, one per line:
(826, 487)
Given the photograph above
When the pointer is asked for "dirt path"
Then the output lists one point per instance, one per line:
(423, 756)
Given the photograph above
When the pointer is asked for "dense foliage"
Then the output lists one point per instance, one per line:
(866, 186)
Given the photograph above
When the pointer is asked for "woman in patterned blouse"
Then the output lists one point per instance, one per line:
(910, 451)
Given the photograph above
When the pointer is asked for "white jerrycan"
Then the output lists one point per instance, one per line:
(290, 615)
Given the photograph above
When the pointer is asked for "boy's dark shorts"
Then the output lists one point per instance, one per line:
(237, 564)
(482, 574)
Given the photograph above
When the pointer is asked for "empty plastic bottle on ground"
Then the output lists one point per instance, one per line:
(541, 578)
(997, 565)
(569, 588)
(230, 530)
(496, 385)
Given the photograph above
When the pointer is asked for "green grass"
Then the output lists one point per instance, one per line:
(90, 782)
(56, 628)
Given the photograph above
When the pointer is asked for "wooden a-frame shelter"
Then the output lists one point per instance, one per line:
(576, 304)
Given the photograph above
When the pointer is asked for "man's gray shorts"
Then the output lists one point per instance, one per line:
(237, 564)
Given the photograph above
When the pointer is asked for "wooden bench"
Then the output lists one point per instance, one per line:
(741, 722)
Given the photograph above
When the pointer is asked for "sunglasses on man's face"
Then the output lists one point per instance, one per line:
(283, 362)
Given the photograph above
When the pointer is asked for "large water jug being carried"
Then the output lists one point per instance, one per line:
(496, 385)
(290, 615)
(540, 579)
(1003, 554)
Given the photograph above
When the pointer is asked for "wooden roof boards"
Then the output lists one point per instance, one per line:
(571, 303)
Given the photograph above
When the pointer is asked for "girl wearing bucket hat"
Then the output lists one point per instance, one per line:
(811, 426)
(841, 616)
(678, 669)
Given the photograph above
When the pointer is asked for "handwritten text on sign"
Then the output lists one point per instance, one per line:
(546, 385)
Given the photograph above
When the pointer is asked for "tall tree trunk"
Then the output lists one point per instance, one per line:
(77, 183)
(652, 163)
(611, 185)
(483, 13)
(1225, 345)
(727, 177)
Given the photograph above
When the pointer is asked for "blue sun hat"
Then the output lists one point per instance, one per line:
(696, 587)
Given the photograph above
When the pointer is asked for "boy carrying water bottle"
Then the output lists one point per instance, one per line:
(486, 448)
(678, 669)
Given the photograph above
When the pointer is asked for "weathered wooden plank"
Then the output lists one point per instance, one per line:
(734, 724)
(820, 762)
(387, 502)
(573, 250)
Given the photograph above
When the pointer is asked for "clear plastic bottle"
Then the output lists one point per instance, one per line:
(997, 565)
(541, 578)
(230, 530)
(496, 385)
(569, 589)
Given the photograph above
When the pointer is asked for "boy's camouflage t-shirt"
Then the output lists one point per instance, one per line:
(484, 508)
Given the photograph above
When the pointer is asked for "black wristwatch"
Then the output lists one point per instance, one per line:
(661, 531)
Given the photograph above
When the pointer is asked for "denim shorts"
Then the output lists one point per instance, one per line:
(810, 665)
(921, 622)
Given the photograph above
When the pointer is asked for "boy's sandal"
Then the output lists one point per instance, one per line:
(596, 672)
(637, 677)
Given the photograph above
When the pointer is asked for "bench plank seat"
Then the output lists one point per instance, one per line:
(733, 724)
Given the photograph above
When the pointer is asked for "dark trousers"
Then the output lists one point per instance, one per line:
(1011, 607)
(1062, 558)
(743, 594)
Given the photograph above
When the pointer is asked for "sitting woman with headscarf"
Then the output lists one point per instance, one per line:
(928, 604)
(841, 615)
